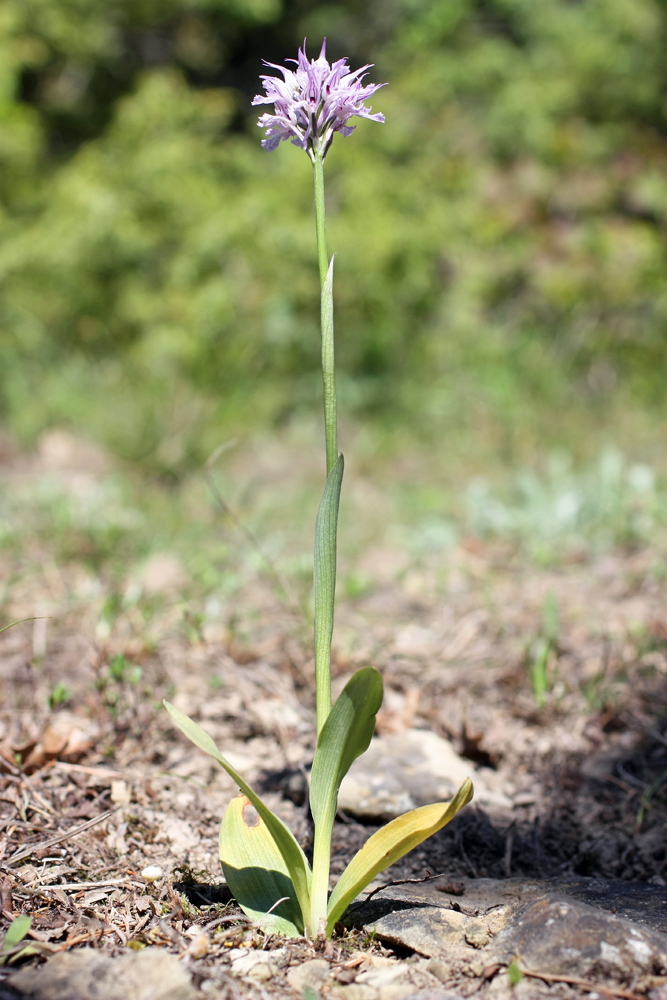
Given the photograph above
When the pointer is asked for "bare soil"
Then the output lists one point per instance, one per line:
(100, 786)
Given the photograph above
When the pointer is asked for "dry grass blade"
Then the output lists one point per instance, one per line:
(26, 852)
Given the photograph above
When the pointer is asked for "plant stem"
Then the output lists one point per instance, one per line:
(319, 887)
(328, 369)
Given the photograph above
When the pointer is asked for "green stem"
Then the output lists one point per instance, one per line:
(328, 368)
(320, 217)
(319, 888)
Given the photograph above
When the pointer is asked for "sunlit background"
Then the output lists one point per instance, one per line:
(501, 286)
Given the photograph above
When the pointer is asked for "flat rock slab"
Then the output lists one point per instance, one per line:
(87, 974)
(401, 771)
(591, 929)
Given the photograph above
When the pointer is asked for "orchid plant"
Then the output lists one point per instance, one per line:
(265, 867)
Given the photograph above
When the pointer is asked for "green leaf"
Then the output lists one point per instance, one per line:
(293, 856)
(16, 931)
(347, 734)
(389, 844)
(256, 872)
(325, 587)
(514, 973)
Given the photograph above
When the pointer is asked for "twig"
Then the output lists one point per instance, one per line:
(224, 506)
(44, 844)
(226, 918)
(100, 772)
(399, 881)
(108, 884)
(548, 977)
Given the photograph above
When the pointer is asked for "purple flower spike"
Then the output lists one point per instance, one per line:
(314, 101)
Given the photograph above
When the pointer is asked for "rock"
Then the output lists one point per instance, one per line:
(569, 938)
(477, 935)
(388, 979)
(436, 994)
(401, 771)
(388, 983)
(593, 929)
(308, 974)
(87, 974)
(257, 966)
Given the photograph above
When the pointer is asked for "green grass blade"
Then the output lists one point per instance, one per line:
(389, 844)
(256, 872)
(325, 587)
(345, 736)
(293, 856)
(16, 931)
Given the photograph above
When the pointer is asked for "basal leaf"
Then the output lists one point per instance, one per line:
(325, 587)
(389, 844)
(256, 872)
(294, 858)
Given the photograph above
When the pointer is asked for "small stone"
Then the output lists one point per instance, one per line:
(199, 947)
(308, 974)
(255, 966)
(477, 935)
(120, 793)
(400, 771)
(389, 983)
(434, 994)
(439, 969)
(151, 974)
(152, 873)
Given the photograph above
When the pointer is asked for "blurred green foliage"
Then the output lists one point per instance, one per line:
(502, 239)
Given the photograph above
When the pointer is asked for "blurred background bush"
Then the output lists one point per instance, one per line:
(501, 281)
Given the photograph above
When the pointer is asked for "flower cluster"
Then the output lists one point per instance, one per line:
(314, 101)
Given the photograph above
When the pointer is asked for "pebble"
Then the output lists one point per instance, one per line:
(255, 965)
(152, 873)
(308, 974)
(151, 974)
(401, 771)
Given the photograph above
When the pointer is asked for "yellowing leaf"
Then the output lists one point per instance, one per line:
(294, 858)
(256, 872)
(389, 844)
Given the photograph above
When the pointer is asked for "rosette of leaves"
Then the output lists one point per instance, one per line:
(264, 866)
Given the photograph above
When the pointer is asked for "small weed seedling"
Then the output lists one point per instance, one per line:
(544, 649)
(12, 946)
(264, 866)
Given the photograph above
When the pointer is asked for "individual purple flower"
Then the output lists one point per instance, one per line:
(314, 101)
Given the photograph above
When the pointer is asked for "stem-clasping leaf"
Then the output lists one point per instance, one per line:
(324, 566)
(346, 734)
(294, 858)
(388, 845)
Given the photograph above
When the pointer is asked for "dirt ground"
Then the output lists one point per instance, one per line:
(96, 785)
